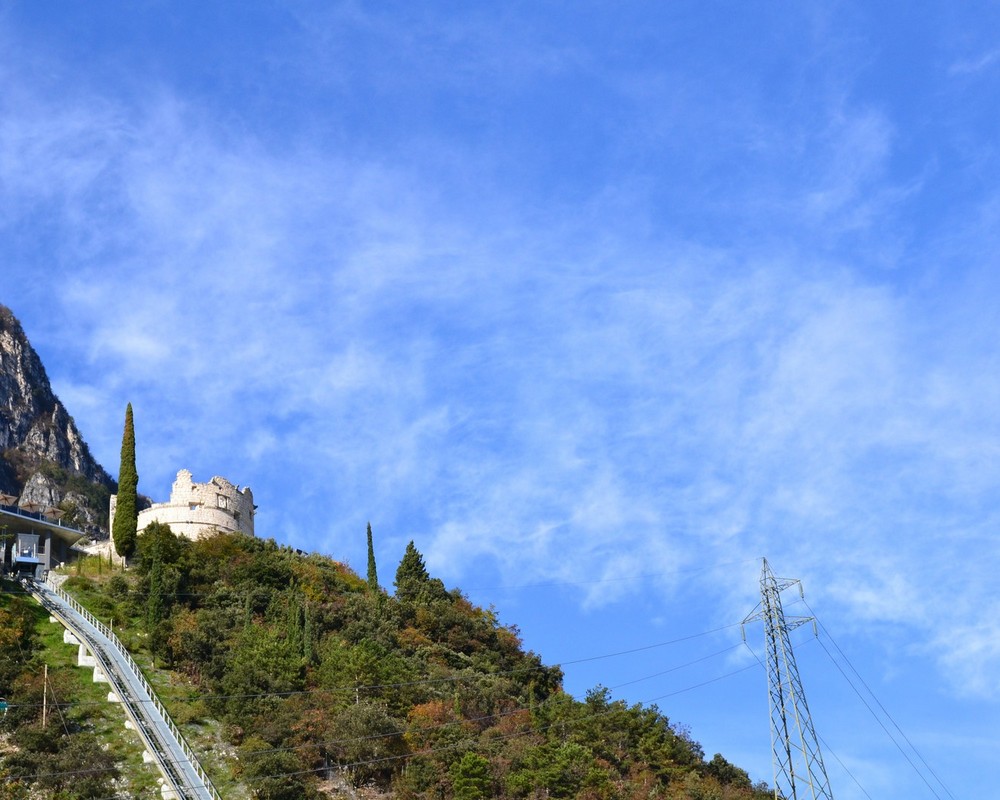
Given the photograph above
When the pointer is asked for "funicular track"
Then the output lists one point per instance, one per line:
(178, 764)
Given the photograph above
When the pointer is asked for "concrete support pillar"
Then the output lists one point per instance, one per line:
(84, 658)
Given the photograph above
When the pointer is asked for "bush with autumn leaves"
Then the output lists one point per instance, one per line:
(319, 676)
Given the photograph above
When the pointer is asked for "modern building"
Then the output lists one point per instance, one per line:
(32, 543)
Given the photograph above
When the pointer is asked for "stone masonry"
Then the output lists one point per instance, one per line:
(199, 509)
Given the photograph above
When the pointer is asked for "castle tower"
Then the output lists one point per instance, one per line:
(199, 509)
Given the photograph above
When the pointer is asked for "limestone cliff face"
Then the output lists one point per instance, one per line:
(43, 458)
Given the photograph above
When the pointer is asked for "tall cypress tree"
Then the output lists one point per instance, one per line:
(126, 515)
(307, 634)
(372, 570)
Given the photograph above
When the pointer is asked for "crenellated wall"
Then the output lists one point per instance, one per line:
(198, 509)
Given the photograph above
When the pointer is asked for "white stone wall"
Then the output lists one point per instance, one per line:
(198, 509)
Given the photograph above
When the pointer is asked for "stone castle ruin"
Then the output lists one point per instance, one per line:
(196, 510)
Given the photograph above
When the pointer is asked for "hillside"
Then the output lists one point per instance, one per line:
(303, 680)
(290, 674)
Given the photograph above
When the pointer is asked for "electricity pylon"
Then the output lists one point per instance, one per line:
(798, 763)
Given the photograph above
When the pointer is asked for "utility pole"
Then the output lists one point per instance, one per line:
(45, 695)
(798, 763)
(3, 549)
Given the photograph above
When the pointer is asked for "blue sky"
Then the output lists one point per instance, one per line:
(597, 302)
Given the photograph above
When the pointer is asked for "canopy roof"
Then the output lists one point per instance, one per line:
(18, 521)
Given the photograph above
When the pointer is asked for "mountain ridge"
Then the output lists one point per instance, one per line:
(44, 458)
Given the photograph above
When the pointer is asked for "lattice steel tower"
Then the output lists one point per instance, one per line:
(798, 763)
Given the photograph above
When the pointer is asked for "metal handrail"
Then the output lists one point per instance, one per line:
(174, 730)
(37, 516)
(124, 692)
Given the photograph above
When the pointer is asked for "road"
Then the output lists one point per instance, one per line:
(176, 761)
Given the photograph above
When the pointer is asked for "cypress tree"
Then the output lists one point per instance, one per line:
(296, 624)
(126, 515)
(372, 571)
(307, 635)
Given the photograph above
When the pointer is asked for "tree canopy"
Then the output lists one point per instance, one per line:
(311, 674)
(413, 582)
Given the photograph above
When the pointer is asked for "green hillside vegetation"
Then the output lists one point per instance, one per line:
(312, 680)
(75, 747)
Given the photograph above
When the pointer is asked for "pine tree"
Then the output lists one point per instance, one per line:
(124, 528)
(296, 625)
(471, 778)
(411, 576)
(372, 570)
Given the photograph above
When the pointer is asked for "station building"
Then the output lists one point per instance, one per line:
(33, 542)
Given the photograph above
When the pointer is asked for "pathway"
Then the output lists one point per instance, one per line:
(179, 766)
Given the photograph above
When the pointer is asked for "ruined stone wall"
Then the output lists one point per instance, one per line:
(195, 509)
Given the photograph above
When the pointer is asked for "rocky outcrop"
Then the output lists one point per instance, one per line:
(42, 490)
(43, 457)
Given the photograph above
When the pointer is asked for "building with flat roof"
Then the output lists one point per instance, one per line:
(33, 542)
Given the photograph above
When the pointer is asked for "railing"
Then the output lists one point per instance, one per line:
(36, 515)
(174, 730)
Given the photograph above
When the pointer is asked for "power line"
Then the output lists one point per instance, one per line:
(514, 711)
(878, 702)
(479, 676)
(843, 766)
(503, 737)
(507, 587)
(880, 722)
(499, 715)
(822, 740)
(427, 681)
(599, 581)
(868, 706)
(548, 701)
(674, 669)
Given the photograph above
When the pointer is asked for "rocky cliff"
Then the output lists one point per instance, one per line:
(43, 457)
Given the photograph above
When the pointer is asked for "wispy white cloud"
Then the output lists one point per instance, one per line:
(970, 66)
(561, 392)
